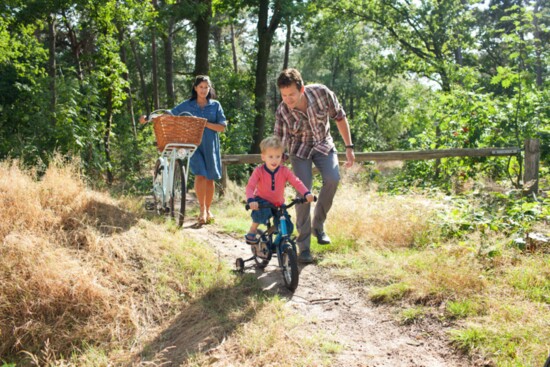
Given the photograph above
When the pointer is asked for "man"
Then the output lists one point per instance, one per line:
(302, 123)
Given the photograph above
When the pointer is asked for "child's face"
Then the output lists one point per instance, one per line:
(272, 157)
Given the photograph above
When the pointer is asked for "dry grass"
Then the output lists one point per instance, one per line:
(379, 220)
(79, 271)
(272, 338)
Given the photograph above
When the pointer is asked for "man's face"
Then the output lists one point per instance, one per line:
(291, 95)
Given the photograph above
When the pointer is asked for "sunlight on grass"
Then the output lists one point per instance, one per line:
(400, 250)
(463, 308)
(78, 265)
(411, 315)
(273, 334)
(531, 277)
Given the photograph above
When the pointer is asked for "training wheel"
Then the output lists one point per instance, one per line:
(239, 264)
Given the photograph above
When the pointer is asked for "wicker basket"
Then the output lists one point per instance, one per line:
(178, 129)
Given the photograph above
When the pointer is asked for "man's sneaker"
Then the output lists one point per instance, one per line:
(305, 257)
(322, 238)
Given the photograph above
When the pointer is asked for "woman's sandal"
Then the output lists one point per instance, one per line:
(210, 218)
(201, 220)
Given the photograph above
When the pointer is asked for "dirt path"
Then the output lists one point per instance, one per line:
(369, 334)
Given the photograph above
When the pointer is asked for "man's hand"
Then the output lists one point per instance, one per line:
(350, 157)
(309, 198)
(253, 205)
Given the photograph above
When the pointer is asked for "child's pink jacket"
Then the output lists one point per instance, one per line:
(270, 185)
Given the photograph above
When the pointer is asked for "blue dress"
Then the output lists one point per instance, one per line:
(207, 160)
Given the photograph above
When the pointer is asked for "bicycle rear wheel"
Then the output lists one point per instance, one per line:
(290, 268)
(262, 263)
(179, 189)
(158, 188)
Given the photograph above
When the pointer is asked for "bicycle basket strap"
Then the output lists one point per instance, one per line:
(178, 129)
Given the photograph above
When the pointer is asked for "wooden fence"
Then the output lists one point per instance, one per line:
(531, 159)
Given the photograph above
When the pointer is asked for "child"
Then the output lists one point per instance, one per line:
(267, 185)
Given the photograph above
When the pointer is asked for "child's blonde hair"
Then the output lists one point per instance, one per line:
(271, 142)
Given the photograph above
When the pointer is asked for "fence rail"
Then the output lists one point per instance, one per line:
(531, 158)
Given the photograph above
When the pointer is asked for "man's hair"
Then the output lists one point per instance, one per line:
(271, 142)
(289, 76)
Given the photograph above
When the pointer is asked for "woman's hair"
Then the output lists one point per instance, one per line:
(271, 142)
(289, 76)
(199, 79)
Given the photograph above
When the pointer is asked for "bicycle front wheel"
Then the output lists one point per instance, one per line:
(158, 188)
(179, 189)
(290, 268)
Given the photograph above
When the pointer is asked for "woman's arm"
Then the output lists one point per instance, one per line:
(216, 127)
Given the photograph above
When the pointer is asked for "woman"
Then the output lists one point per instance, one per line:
(206, 163)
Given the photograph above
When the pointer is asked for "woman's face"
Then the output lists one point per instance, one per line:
(202, 89)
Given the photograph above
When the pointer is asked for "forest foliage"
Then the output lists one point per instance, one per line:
(75, 75)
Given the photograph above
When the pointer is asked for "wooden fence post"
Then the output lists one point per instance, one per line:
(224, 179)
(531, 173)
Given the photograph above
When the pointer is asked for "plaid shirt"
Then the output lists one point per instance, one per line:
(302, 133)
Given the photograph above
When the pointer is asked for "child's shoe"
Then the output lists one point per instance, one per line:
(251, 238)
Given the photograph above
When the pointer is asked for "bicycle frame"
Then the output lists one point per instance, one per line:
(167, 160)
(283, 245)
(170, 164)
(282, 237)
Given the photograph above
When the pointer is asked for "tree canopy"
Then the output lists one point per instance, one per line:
(410, 75)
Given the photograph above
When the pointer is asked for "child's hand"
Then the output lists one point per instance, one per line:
(309, 198)
(253, 205)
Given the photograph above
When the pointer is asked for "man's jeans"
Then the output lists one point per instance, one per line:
(328, 167)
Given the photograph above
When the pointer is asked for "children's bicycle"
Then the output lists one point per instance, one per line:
(177, 138)
(277, 240)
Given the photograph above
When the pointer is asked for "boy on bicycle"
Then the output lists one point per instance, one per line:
(267, 185)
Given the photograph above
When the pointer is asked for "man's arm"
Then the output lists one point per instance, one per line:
(343, 128)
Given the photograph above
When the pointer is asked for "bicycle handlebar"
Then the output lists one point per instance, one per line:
(286, 206)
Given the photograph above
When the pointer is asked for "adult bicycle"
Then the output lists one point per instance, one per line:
(177, 138)
(276, 241)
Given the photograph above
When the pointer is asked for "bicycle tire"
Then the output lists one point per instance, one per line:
(158, 195)
(179, 189)
(262, 263)
(290, 268)
(547, 363)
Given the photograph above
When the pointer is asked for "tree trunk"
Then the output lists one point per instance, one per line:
(107, 136)
(126, 76)
(156, 100)
(234, 50)
(169, 65)
(202, 26)
(539, 68)
(287, 44)
(75, 49)
(52, 67)
(144, 93)
(265, 38)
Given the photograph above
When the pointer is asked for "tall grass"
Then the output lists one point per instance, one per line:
(80, 272)
(494, 295)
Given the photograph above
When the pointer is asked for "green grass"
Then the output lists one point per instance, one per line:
(411, 315)
(462, 309)
(390, 293)
(424, 255)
